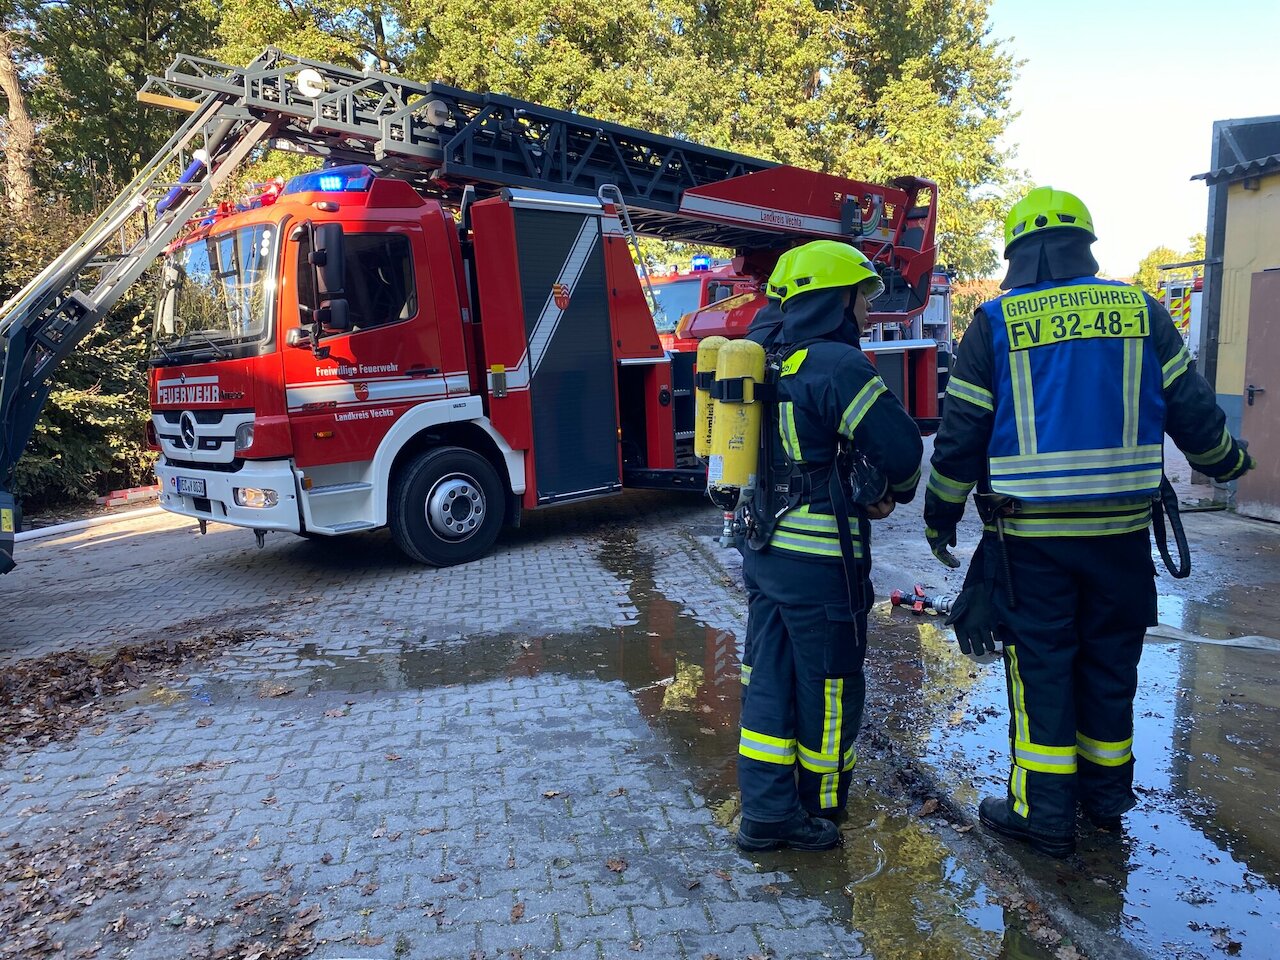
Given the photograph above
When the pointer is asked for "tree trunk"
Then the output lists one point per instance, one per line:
(21, 135)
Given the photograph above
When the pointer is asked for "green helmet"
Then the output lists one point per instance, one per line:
(820, 265)
(1045, 208)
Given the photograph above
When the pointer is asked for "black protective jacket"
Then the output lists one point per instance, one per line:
(829, 393)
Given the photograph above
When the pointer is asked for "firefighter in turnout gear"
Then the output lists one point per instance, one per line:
(807, 554)
(1061, 395)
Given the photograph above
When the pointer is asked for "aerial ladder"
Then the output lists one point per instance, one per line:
(447, 143)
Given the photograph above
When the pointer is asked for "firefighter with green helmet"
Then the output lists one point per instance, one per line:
(837, 449)
(1062, 392)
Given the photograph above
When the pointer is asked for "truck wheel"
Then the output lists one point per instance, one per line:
(446, 507)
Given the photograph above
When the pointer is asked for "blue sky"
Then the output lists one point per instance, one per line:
(1117, 102)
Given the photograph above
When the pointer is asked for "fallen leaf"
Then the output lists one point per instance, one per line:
(393, 837)
(253, 843)
(723, 875)
(368, 889)
(367, 940)
(426, 830)
(393, 756)
(771, 889)
(693, 884)
(616, 864)
(550, 794)
(444, 878)
(335, 714)
(327, 858)
(269, 800)
(379, 832)
(517, 911)
(205, 722)
(965, 829)
(620, 792)
(927, 808)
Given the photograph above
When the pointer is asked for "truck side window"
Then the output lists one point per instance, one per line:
(717, 291)
(380, 286)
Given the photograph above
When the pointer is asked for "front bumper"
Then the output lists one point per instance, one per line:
(219, 501)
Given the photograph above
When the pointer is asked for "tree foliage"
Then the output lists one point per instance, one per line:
(90, 436)
(862, 89)
(865, 90)
(966, 297)
(1148, 275)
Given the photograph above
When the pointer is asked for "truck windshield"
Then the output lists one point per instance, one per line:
(673, 300)
(216, 292)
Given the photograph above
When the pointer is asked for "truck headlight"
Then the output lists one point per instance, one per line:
(255, 497)
(244, 437)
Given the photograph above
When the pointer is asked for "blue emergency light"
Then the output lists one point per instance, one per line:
(354, 178)
(701, 262)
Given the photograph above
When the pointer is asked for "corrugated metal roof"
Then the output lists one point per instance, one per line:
(1239, 171)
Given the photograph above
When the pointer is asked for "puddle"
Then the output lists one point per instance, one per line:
(1242, 611)
(895, 881)
(1197, 873)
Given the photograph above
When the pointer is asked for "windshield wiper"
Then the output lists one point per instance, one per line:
(218, 350)
(169, 357)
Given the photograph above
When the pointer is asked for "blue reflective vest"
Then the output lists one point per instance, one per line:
(1079, 404)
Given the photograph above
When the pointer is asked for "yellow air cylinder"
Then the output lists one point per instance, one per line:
(708, 349)
(735, 428)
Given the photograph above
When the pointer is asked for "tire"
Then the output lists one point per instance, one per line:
(446, 507)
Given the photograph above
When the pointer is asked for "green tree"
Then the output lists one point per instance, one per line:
(90, 436)
(1148, 274)
(85, 61)
(966, 297)
(867, 91)
(78, 65)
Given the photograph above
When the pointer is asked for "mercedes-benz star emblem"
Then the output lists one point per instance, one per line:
(187, 429)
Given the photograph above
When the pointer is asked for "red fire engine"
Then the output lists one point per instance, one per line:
(442, 327)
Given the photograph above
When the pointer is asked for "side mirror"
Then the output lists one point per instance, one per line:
(334, 316)
(329, 257)
(298, 337)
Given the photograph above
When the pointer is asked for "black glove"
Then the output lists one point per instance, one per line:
(973, 615)
(939, 540)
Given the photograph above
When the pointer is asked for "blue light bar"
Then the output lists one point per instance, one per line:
(701, 262)
(355, 178)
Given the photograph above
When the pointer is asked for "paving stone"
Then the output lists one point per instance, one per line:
(483, 703)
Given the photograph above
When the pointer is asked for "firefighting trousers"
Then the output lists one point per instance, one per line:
(803, 686)
(1071, 649)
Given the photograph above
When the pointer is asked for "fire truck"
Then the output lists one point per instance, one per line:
(442, 326)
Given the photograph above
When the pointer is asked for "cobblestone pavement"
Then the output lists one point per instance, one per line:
(491, 760)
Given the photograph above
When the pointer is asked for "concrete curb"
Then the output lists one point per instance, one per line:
(72, 526)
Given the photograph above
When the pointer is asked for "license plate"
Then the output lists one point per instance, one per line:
(191, 486)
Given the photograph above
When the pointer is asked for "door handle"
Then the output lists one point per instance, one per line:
(423, 371)
(1251, 390)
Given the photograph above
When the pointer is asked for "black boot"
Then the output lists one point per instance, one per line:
(1111, 824)
(801, 832)
(836, 815)
(995, 815)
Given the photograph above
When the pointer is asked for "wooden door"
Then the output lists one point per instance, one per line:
(1258, 493)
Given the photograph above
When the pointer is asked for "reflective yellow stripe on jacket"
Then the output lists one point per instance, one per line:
(816, 534)
(1102, 518)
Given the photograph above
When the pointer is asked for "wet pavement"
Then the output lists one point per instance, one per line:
(550, 770)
